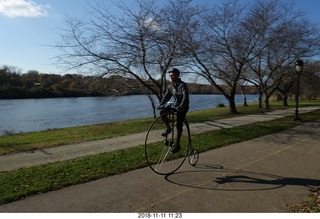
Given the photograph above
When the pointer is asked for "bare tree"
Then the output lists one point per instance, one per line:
(310, 80)
(284, 36)
(141, 42)
(285, 85)
(222, 49)
(226, 45)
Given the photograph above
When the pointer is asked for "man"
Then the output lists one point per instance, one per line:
(179, 91)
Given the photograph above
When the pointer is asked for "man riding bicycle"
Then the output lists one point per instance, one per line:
(179, 91)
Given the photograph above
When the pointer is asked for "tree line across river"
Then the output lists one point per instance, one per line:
(33, 84)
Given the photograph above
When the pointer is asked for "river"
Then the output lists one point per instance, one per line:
(28, 115)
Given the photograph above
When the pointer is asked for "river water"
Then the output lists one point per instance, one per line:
(28, 115)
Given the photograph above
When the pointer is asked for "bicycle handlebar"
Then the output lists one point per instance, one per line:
(166, 105)
(170, 106)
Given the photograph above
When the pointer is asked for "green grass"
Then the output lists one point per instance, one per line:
(51, 138)
(36, 180)
(310, 205)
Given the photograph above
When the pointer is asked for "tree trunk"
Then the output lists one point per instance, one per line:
(244, 99)
(285, 99)
(153, 105)
(260, 101)
(266, 102)
(232, 105)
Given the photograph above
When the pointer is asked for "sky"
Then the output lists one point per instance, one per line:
(29, 27)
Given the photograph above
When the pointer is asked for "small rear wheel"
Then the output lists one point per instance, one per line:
(193, 157)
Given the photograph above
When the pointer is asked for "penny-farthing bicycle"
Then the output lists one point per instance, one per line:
(158, 147)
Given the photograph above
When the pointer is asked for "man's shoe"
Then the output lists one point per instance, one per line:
(176, 149)
(166, 132)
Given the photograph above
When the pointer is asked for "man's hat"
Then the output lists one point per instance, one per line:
(175, 71)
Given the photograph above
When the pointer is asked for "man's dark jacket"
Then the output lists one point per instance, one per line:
(179, 91)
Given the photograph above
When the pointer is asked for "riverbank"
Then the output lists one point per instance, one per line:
(74, 135)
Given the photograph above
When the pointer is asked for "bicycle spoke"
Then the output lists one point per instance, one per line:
(158, 148)
(162, 158)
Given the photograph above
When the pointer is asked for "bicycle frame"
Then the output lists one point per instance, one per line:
(158, 157)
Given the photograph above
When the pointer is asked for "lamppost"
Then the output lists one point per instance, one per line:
(298, 68)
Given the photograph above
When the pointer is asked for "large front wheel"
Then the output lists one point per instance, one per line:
(158, 147)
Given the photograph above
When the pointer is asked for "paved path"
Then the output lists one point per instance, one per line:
(49, 155)
(266, 174)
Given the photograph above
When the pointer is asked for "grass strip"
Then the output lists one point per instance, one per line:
(310, 205)
(25, 182)
(56, 137)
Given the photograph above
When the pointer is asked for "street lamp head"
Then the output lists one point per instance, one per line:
(298, 66)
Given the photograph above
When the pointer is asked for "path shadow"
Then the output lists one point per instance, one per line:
(312, 184)
(38, 150)
(217, 177)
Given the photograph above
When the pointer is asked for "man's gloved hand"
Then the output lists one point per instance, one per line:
(177, 109)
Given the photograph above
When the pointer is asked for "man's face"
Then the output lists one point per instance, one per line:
(173, 77)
